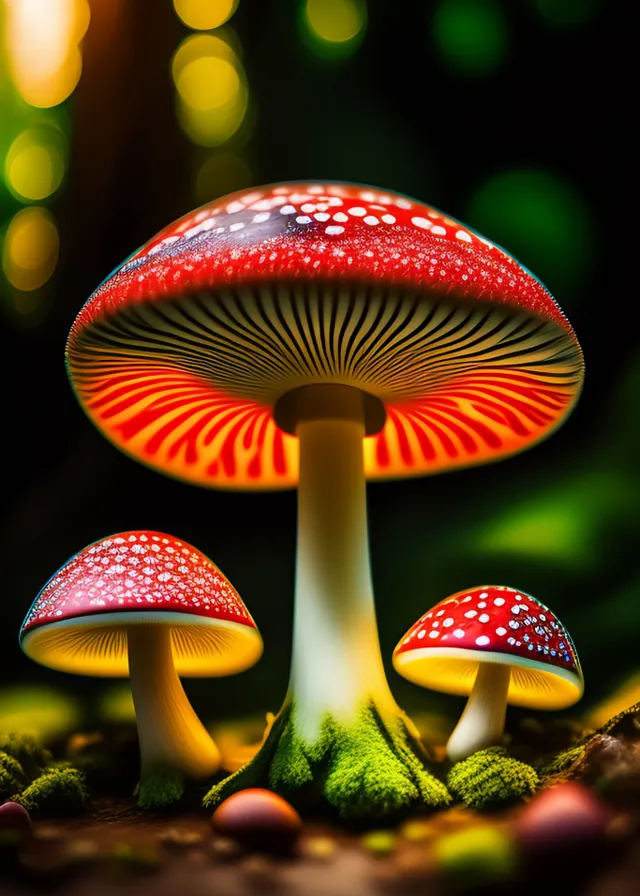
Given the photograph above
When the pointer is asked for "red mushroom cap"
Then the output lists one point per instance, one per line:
(493, 624)
(78, 621)
(181, 355)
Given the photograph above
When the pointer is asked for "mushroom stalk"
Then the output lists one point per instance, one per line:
(336, 662)
(171, 736)
(482, 721)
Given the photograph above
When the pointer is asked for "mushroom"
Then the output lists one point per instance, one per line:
(151, 606)
(318, 335)
(499, 646)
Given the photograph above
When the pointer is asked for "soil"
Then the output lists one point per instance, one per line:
(115, 849)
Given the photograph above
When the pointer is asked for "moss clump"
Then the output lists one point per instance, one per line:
(160, 790)
(24, 748)
(369, 769)
(491, 778)
(563, 762)
(59, 790)
(12, 776)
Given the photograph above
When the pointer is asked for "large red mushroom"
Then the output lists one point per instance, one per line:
(318, 335)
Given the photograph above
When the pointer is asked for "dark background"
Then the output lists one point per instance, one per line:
(523, 145)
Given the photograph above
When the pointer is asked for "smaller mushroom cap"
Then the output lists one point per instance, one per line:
(493, 624)
(79, 621)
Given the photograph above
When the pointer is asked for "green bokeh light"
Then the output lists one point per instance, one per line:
(471, 35)
(542, 220)
(333, 29)
(567, 12)
(40, 710)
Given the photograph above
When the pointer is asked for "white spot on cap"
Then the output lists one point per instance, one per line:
(234, 207)
(303, 219)
(421, 634)
(471, 613)
(499, 601)
(263, 216)
(434, 634)
(463, 235)
(371, 220)
(321, 216)
(440, 613)
(458, 633)
(388, 219)
(358, 211)
(501, 631)
(288, 210)
(238, 226)
(465, 600)
(424, 223)
(308, 207)
(482, 604)
(333, 230)
(438, 230)
(340, 216)
(484, 617)
(403, 203)
(483, 640)
(448, 622)
(483, 595)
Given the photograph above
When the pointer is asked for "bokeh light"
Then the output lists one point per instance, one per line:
(208, 83)
(471, 35)
(212, 92)
(34, 164)
(542, 220)
(568, 12)
(40, 710)
(30, 250)
(334, 28)
(220, 174)
(42, 38)
(203, 15)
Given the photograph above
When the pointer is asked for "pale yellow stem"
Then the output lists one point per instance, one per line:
(172, 737)
(336, 665)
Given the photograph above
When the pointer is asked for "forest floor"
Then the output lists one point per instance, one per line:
(113, 848)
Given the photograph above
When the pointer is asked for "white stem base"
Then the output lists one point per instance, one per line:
(171, 735)
(336, 665)
(482, 721)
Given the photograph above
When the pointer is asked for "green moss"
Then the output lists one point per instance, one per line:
(12, 776)
(60, 790)
(370, 769)
(491, 778)
(24, 748)
(160, 790)
(563, 762)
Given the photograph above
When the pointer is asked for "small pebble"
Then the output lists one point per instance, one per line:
(258, 868)
(82, 850)
(319, 847)
(181, 837)
(258, 819)
(379, 843)
(15, 825)
(224, 849)
(417, 831)
(564, 816)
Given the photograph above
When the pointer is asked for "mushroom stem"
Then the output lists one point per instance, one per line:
(336, 662)
(482, 721)
(172, 738)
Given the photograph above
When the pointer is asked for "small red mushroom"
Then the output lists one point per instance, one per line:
(151, 606)
(500, 646)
